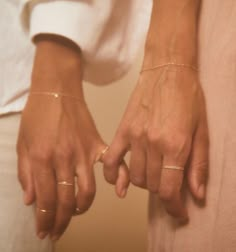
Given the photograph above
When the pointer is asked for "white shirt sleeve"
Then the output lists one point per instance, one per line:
(108, 32)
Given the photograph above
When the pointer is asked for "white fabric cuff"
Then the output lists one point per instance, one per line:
(108, 33)
(60, 18)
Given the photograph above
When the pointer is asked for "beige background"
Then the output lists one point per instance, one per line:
(112, 224)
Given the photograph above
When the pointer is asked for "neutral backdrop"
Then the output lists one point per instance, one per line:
(112, 224)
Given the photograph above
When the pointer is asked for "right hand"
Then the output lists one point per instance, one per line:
(57, 141)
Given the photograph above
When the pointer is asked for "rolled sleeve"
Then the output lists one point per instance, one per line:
(109, 32)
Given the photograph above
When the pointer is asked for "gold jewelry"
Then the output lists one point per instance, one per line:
(173, 167)
(169, 64)
(65, 183)
(101, 154)
(55, 95)
(45, 210)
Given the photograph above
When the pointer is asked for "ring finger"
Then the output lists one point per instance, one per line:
(65, 196)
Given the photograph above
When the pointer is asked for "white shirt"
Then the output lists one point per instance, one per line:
(109, 32)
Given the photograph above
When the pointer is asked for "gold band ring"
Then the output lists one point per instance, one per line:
(173, 167)
(101, 154)
(65, 183)
(45, 210)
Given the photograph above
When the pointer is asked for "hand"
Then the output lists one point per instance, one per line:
(58, 140)
(164, 124)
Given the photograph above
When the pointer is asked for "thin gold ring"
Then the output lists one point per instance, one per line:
(65, 183)
(173, 167)
(45, 210)
(101, 154)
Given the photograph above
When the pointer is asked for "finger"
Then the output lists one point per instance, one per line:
(113, 158)
(175, 153)
(123, 180)
(86, 188)
(199, 163)
(26, 179)
(154, 164)
(170, 190)
(45, 188)
(122, 183)
(171, 179)
(66, 203)
(137, 165)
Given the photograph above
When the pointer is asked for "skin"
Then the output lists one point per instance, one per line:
(165, 121)
(58, 140)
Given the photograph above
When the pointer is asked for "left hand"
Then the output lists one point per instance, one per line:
(164, 124)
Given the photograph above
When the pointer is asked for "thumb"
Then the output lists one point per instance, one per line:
(199, 163)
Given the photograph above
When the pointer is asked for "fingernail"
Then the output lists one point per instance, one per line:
(123, 192)
(202, 191)
(55, 238)
(42, 235)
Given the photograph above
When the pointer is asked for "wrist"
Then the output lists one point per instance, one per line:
(172, 39)
(57, 65)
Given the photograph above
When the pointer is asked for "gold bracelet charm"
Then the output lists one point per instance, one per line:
(55, 94)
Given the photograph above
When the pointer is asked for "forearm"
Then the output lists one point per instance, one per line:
(172, 35)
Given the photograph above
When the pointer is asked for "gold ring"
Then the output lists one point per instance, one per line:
(45, 210)
(65, 183)
(101, 154)
(173, 167)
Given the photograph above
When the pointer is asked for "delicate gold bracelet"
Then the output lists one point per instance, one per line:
(55, 95)
(169, 64)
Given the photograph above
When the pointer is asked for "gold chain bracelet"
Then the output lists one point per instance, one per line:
(55, 95)
(169, 64)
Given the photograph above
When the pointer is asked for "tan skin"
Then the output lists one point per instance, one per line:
(165, 123)
(58, 140)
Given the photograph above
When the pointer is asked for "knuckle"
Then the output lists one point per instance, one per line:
(137, 180)
(136, 132)
(110, 161)
(63, 152)
(167, 194)
(110, 178)
(180, 142)
(40, 154)
(153, 137)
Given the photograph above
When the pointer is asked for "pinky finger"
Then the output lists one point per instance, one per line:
(123, 180)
